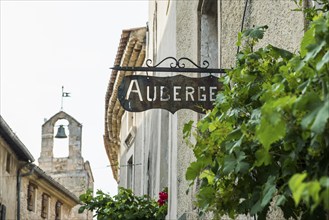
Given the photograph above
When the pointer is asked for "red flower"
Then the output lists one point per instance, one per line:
(161, 202)
(163, 195)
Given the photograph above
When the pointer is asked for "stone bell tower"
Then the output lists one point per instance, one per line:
(72, 171)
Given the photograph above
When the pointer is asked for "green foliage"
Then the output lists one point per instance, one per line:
(311, 12)
(267, 137)
(124, 205)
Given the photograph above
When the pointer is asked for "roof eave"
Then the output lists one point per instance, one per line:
(14, 142)
(131, 52)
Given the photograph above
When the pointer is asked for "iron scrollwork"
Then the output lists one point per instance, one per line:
(176, 65)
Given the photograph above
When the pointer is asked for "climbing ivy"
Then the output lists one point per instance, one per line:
(267, 137)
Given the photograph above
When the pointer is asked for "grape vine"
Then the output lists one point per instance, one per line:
(267, 137)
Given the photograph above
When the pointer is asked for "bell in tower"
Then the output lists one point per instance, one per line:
(61, 132)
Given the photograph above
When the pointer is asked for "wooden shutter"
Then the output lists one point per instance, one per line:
(58, 210)
(31, 196)
(44, 205)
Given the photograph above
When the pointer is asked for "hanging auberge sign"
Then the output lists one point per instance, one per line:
(138, 93)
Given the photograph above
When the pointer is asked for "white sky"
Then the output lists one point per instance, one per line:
(49, 44)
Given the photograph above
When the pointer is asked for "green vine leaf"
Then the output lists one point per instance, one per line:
(256, 33)
(271, 129)
(321, 118)
(307, 40)
(317, 118)
(324, 61)
(196, 167)
(297, 186)
(325, 198)
(187, 129)
(263, 157)
(272, 126)
(205, 196)
(324, 181)
(269, 191)
(209, 175)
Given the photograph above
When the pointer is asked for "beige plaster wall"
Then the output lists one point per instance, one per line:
(187, 46)
(285, 26)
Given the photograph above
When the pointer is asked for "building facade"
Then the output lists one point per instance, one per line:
(147, 150)
(26, 191)
(71, 170)
(13, 155)
(44, 198)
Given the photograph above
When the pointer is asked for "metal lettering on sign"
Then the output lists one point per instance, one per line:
(139, 93)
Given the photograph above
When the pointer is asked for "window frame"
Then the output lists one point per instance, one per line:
(8, 162)
(58, 210)
(31, 196)
(45, 205)
(130, 172)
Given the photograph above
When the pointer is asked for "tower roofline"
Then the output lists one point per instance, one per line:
(62, 115)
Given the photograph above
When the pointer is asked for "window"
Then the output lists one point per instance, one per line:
(44, 205)
(2, 212)
(208, 32)
(130, 173)
(31, 194)
(128, 130)
(8, 160)
(130, 137)
(149, 187)
(58, 210)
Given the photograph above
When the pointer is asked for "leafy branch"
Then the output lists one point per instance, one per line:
(125, 205)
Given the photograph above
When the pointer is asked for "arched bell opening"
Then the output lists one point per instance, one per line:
(61, 138)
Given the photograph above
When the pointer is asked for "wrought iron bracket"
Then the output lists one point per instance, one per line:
(177, 65)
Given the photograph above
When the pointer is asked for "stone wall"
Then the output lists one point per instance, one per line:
(66, 212)
(8, 180)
